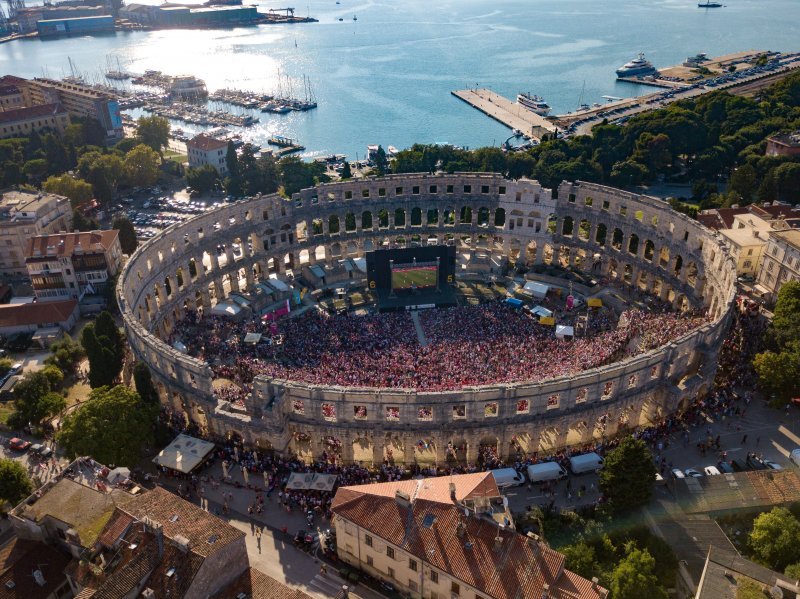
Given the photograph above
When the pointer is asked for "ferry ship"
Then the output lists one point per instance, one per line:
(534, 103)
(638, 67)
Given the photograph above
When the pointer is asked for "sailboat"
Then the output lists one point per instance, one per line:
(355, 18)
(581, 105)
(709, 4)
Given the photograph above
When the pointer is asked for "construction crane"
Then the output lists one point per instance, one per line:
(289, 11)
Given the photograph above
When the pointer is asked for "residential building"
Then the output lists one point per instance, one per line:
(449, 537)
(21, 122)
(124, 541)
(726, 572)
(787, 144)
(21, 85)
(203, 149)
(79, 100)
(781, 262)
(11, 97)
(71, 265)
(29, 569)
(747, 238)
(25, 214)
(49, 318)
(722, 218)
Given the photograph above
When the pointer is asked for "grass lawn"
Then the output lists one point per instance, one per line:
(175, 156)
(6, 409)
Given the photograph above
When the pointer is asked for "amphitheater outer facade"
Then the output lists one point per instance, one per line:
(623, 237)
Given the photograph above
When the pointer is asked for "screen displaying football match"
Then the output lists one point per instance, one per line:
(410, 276)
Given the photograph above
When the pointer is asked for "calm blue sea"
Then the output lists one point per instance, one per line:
(386, 77)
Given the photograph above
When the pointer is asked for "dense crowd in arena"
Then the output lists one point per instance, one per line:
(466, 345)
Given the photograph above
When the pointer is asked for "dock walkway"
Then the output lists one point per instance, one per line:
(505, 111)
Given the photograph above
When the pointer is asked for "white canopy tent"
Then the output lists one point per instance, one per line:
(184, 454)
(226, 308)
(564, 332)
(541, 311)
(313, 481)
(537, 290)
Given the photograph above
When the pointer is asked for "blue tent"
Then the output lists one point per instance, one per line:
(514, 302)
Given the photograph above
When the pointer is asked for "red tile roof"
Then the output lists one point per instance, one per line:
(19, 558)
(500, 562)
(17, 315)
(722, 218)
(64, 244)
(115, 528)
(32, 112)
(206, 143)
(257, 585)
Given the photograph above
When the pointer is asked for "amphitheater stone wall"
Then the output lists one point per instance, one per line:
(619, 237)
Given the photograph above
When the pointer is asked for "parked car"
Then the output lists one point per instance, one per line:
(45, 452)
(794, 457)
(693, 473)
(678, 473)
(756, 463)
(725, 467)
(772, 465)
(739, 466)
(19, 444)
(711, 471)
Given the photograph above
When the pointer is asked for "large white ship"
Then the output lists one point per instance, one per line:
(533, 103)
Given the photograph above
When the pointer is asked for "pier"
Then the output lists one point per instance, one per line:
(505, 111)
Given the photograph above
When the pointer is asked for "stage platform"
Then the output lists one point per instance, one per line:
(419, 299)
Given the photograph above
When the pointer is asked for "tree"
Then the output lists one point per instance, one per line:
(347, 173)
(5, 365)
(581, 559)
(786, 320)
(34, 399)
(203, 178)
(144, 383)
(83, 223)
(141, 166)
(153, 131)
(55, 377)
(65, 354)
(381, 162)
(14, 482)
(232, 162)
(35, 169)
(779, 372)
(103, 344)
(774, 538)
(793, 571)
(77, 190)
(113, 427)
(634, 576)
(628, 475)
(103, 171)
(127, 234)
(744, 181)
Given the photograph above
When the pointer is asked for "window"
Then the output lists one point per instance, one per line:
(390, 552)
(412, 564)
(484, 189)
(606, 205)
(415, 190)
(348, 195)
(750, 252)
(623, 210)
(369, 561)
(390, 572)
(455, 588)
(501, 190)
(381, 191)
(432, 189)
(368, 540)
(412, 584)
(449, 189)
(434, 576)
(468, 189)
(398, 191)
(365, 193)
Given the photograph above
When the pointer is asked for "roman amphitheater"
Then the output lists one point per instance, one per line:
(275, 249)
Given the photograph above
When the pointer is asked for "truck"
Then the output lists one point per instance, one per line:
(588, 462)
(546, 471)
(507, 477)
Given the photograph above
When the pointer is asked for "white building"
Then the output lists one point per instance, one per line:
(449, 538)
(781, 261)
(748, 237)
(203, 149)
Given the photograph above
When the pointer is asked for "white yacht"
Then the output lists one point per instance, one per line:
(533, 103)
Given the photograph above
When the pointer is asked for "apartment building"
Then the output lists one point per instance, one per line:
(449, 538)
(21, 122)
(71, 265)
(781, 262)
(25, 214)
(207, 150)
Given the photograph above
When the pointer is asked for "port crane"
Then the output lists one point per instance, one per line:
(289, 11)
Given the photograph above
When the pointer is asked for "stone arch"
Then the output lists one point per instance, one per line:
(483, 216)
(449, 217)
(584, 229)
(316, 226)
(336, 249)
(552, 223)
(350, 222)
(319, 253)
(663, 257)
(691, 273)
(432, 219)
(500, 218)
(333, 224)
(600, 235)
(568, 226)
(366, 220)
(362, 449)
(465, 215)
(627, 273)
(616, 239)
(530, 252)
(649, 250)
(678, 265)
(425, 451)
(633, 244)
(416, 217)
(399, 218)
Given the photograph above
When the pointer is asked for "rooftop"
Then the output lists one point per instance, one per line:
(788, 139)
(19, 559)
(36, 313)
(32, 112)
(792, 237)
(726, 568)
(723, 218)
(473, 548)
(741, 490)
(68, 244)
(14, 203)
(257, 585)
(206, 143)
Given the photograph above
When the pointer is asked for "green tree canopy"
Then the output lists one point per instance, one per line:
(634, 576)
(77, 190)
(153, 131)
(203, 178)
(127, 234)
(143, 381)
(347, 172)
(34, 399)
(83, 223)
(628, 475)
(141, 166)
(779, 372)
(113, 427)
(66, 354)
(103, 344)
(774, 538)
(14, 482)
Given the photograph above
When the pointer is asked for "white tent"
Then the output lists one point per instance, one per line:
(307, 480)
(278, 284)
(118, 475)
(184, 454)
(226, 308)
(537, 290)
(564, 332)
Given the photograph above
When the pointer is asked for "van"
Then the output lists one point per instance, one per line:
(588, 462)
(507, 477)
(546, 471)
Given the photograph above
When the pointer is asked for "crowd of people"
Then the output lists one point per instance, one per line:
(462, 346)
